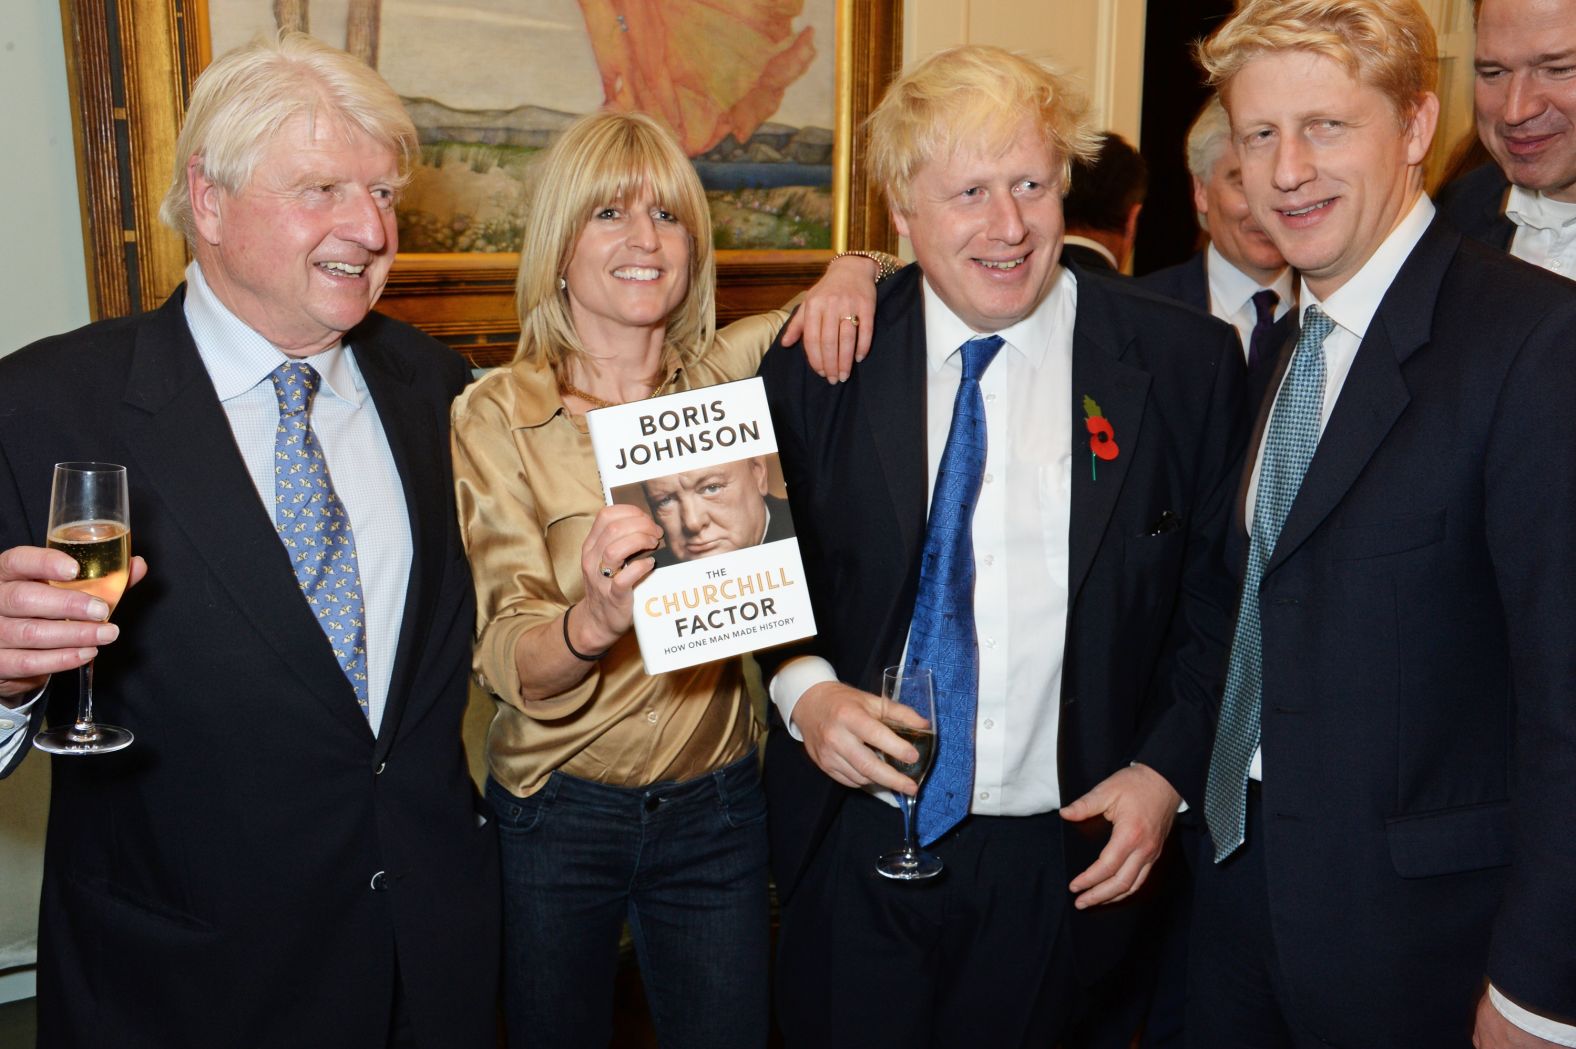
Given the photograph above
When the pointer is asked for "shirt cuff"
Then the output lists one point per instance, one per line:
(13, 726)
(1531, 1022)
(792, 680)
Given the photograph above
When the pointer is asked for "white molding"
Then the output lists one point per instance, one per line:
(17, 984)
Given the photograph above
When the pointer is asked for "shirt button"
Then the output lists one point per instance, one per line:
(990, 398)
(989, 478)
(984, 795)
(990, 642)
(651, 716)
(989, 723)
(989, 559)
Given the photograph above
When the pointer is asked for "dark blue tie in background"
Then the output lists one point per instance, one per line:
(942, 635)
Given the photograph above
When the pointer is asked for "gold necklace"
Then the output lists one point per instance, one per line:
(568, 388)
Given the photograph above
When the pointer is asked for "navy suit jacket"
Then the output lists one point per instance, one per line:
(1149, 605)
(218, 882)
(1419, 706)
(1188, 282)
(1475, 204)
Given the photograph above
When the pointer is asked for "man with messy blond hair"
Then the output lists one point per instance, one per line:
(1396, 747)
(1068, 439)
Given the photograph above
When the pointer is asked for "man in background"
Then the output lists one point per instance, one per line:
(1102, 206)
(292, 851)
(1240, 276)
(1397, 737)
(1525, 100)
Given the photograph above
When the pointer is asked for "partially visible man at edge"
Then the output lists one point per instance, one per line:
(1524, 94)
(1396, 747)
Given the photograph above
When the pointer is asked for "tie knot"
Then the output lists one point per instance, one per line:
(1315, 326)
(295, 384)
(977, 355)
(1264, 303)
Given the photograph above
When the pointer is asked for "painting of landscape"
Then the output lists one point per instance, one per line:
(746, 85)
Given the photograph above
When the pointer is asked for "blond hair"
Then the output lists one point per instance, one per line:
(245, 97)
(1388, 44)
(600, 159)
(972, 97)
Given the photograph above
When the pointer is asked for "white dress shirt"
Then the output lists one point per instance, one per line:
(1352, 308)
(1545, 230)
(1020, 533)
(1231, 295)
(346, 423)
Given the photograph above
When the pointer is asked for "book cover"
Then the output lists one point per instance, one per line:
(703, 463)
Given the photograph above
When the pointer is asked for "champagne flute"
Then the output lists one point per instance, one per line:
(89, 519)
(912, 687)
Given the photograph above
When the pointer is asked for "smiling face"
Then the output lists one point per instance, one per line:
(712, 510)
(301, 252)
(987, 229)
(1525, 91)
(629, 270)
(1327, 165)
(1238, 237)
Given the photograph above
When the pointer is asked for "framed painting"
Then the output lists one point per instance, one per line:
(768, 116)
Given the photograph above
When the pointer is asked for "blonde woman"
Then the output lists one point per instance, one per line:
(620, 796)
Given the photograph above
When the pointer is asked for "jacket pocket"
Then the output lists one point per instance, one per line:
(1451, 841)
(1395, 536)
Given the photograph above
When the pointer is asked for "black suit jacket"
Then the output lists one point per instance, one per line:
(218, 882)
(1086, 258)
(1475, 204)
(1149, 614)
(1419, 709)
(1188, 282)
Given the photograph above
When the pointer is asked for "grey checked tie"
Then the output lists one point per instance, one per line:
(1288, 448)
(314, 526)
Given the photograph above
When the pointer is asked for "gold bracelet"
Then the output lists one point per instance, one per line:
(886, 265)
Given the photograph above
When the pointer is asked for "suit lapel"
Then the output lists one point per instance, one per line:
(1375, 392)
(414, 441)
(185, 452)
(1120, 390)
(896, 416)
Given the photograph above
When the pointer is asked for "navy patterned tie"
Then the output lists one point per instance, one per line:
(1260, 350)
(314, 526)
(1292, 436)
(941, 635)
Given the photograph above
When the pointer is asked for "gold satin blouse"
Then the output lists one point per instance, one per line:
(528, 489)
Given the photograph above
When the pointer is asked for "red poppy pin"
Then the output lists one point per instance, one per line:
(1102, 437)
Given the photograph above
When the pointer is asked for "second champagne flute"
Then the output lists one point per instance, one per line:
(911, 687)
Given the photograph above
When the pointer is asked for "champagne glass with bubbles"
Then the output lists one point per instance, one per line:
(89, 519)
(911, 687)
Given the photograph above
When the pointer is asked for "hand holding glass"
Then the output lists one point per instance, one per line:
(89, 519)
(912, 687)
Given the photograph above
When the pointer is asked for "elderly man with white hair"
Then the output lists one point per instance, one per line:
(292, 851)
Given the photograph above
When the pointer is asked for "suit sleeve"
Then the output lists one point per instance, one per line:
(1530, 492)
(1191, 671)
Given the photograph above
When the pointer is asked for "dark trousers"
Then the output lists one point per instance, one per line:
(1234, 981)
(977, 956)
(683, 863)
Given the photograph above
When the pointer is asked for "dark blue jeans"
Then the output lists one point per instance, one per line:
(683, 863)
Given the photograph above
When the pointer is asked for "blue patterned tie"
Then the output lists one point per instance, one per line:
(314, 527)
(941, 635)
(1288, 448)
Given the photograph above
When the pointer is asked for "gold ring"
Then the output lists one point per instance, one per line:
(852, 318)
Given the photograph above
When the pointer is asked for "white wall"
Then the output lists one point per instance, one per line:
(43, 290)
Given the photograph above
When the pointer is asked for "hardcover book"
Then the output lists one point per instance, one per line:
(703, 463)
